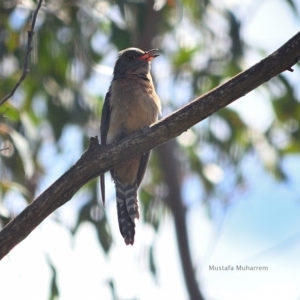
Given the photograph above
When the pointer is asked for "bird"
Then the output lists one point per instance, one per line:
(130, 104)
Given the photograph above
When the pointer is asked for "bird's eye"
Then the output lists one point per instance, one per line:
(131, 57)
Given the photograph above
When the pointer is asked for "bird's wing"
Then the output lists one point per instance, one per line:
(105, 118)
(142, 167)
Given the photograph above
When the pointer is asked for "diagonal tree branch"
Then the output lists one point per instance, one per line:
(98, 159)
(27, 55)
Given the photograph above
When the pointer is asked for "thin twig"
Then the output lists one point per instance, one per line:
(28, 51)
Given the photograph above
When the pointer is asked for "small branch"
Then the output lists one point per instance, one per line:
(27, 55)
(98, 159)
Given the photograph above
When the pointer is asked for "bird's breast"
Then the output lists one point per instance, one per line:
(134, 105)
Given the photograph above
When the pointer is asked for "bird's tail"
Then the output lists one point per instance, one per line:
(127, 207)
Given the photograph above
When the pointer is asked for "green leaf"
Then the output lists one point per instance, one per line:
(54, 292)
(183, 56)
(152, 263)
(10, 185)
(93, 213)
(22, 146)
(8, 111)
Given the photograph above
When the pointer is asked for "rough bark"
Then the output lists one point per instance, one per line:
(98, 159)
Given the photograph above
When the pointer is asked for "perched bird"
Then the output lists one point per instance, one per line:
(131, 103)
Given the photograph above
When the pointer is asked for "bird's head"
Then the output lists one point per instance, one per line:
(133, 60)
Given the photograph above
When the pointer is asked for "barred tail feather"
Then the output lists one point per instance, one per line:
(127, 208)
(131, 201)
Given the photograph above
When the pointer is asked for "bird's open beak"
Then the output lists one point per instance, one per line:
(149, 55)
